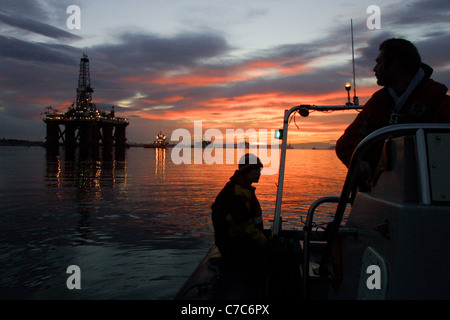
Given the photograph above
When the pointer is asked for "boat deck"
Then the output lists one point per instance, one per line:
(214, 279)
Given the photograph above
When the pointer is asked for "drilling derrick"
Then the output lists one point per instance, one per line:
(84, 125)
(84, 90)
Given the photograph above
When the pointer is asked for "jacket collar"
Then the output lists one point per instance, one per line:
(428, 71)
(239, 179)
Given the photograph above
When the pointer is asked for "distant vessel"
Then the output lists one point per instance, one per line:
(202, 145)
(160, 142)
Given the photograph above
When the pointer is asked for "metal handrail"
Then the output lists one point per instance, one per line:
(364, 145)
(307, 229)
(383, 133)
(304, 112)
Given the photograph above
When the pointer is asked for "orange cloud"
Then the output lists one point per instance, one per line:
(204, 76)
(253, 110)
(263, 111)
(164, 100)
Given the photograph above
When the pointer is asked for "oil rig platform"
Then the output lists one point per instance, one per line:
(84, 125)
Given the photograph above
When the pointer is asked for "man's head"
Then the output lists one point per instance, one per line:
(251, 167)
(397, 58)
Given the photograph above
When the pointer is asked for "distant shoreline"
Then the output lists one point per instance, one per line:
(16, 142)
(27, 143)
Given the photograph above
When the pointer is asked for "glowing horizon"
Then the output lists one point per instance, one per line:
(165, 65)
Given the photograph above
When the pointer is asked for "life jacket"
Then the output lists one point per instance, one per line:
(428, 103)
(237, 218)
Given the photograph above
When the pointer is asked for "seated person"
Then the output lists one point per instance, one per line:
(237, 216)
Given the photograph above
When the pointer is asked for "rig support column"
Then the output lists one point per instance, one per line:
(52, 139)
(70, 138)
(107, 136)
(120, 136)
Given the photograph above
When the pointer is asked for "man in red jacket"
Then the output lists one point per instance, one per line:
(408, 96)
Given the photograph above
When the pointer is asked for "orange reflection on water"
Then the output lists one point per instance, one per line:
(160, 163)
(309, 175)
(89, 176)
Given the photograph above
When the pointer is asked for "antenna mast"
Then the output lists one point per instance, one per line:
(355, 98)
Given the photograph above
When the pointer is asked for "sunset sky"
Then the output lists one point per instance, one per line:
(227, 63)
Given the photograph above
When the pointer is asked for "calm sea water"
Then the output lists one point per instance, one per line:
(135, 227)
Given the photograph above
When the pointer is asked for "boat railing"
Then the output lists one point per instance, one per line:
(307, 230)
(303, 110)
(334, 228)
(418, 130)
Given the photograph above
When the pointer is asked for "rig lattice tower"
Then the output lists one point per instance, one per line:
(84, 125)
(84, 90)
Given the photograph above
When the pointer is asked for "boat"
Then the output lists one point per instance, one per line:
(201, 145)
(393, 245)
(160, 142)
